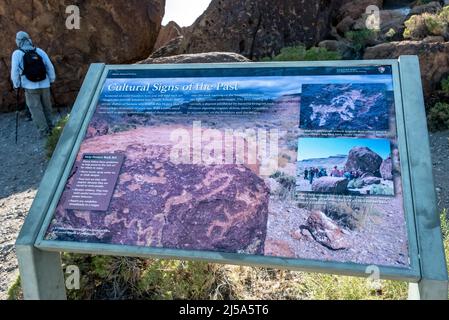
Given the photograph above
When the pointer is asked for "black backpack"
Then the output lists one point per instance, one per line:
(33, 66)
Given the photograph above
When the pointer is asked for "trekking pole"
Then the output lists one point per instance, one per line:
(17, 114)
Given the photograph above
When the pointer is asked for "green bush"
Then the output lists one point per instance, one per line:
(360, 39)
(418, 27)
(300, 53)
(54, 136)
(438, 117)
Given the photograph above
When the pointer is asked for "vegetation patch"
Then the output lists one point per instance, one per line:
(301, 53)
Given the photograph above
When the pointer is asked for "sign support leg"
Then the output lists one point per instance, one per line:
(428, 290)
(41, 274)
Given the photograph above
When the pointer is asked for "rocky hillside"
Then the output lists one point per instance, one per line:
(258, 28)
(112, 31)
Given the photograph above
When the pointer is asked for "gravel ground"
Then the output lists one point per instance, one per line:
(23, 165)
(439, 145)
(21, 170)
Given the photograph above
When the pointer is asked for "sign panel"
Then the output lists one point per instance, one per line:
(286, 162)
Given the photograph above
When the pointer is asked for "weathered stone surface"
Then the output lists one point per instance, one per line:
(183, 206)
(431, 7)
(167, 33)
(342, 46)
(259, 28)
(434, 58)
(356, 8)
(364, 160)
(330, 185)
(326, 232)
(169, 49)
(112, 31)
(209, 57)
(386, 169)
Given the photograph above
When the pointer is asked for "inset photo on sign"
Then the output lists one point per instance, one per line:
(346, 107)
(345, 166)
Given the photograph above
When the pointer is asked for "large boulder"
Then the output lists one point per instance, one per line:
(326, 232)
(433, 57)
(169, 32)
(209, 57)
(386, 169)
(112, 31)
(356, 8)
(259, 28)
(364, 160)
(330, 185)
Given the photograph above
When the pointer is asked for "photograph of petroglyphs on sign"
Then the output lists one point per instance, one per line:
(345, 166)
(345, 107)
(212, 164)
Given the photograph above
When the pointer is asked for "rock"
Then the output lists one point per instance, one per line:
(367, 181)
(168, 33)
(342, 46)
(279, 248)
(209, 57)
(434, 58)
(223, 208)
(345, 25)
(386, 169)
(365, 160)
(389, 19)
(259, 28)
(112, 31)
(326, 232)
(431, 7)
(170, 49)
(432, 39)
(356, 8)
(330, 185)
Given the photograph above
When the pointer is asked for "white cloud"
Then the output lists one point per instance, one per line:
(184, 12)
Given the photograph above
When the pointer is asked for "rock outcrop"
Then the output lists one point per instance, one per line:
(326, 232)
(330, 185)
(259, 28)
(386, 169)
(169, 32)
(364, 160)
(433, 56)
(209, 57)
(111, 31)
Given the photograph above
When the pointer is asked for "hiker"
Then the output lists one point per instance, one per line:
(335, 172)
(32, 70)
(306, 174)
(311, 175)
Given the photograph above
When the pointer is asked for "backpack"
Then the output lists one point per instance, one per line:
(33, 66)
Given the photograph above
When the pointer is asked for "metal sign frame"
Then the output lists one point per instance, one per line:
(39, 259)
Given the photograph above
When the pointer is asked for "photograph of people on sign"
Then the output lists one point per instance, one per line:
(298, 163)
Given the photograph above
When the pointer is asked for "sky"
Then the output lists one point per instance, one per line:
(184, 12)
(317, 148)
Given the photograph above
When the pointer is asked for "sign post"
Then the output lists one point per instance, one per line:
(309, 166)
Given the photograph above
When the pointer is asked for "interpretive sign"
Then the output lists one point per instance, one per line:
(292, 165)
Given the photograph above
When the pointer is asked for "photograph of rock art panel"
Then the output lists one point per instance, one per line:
(345, 107)
(160, 203)
(345, 166)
